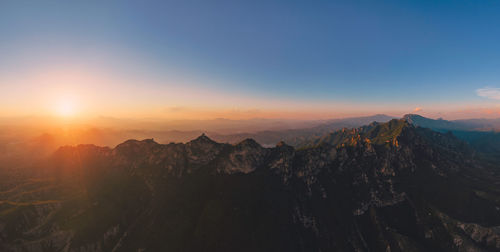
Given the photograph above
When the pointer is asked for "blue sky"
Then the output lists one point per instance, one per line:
(369, 53)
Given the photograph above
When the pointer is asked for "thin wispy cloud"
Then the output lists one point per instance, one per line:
(489, 92)
(175, 109)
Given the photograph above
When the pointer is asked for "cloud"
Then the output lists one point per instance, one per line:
(417, 109)
(175, 109)
(489, 92)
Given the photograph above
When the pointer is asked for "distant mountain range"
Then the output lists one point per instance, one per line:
(482, 134)
(392, 186)
(295, 137)
(20, 140)
(464, 125)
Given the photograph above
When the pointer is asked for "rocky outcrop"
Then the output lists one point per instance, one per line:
(245, 157)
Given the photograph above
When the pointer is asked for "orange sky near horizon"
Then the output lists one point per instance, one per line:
(86, 93)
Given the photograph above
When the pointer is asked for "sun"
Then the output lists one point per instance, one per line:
(66, 108)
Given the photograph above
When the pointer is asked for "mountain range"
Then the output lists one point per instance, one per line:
(20, 139)
(409, 184)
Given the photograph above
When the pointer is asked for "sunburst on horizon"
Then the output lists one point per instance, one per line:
(66, 107)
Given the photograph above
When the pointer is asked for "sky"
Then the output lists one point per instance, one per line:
(250, 59)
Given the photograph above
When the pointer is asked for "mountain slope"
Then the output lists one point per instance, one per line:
(486, 143)
(383, 186)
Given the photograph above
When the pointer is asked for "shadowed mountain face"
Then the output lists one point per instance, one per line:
(382, 187)
(481, 134)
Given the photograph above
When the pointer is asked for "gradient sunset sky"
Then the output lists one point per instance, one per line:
(246, 59)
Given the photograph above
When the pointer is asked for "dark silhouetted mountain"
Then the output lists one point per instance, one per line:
(382, 187)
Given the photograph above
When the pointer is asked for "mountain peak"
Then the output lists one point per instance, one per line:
(418, 120)
(203, 138)
(149, 141)
(412, 117)
(281, 144)
(424, 122)
(133, 142)
(250, 143)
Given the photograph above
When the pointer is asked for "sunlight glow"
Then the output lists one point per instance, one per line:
(66, 108)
